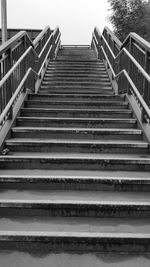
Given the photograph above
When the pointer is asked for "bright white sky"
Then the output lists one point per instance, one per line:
(75, 18)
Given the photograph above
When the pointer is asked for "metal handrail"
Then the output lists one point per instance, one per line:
(29, 64)
(40, 36)
(126, 63)
(15, 95)
(113, 36)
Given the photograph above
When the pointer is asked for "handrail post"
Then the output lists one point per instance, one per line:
(129, 64)
(99, 48)
(146, 85)
(9, 83)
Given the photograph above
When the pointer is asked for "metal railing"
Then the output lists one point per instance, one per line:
(128, 64)
(33, 33)
(22, 63)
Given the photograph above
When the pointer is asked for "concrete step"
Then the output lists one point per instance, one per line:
(79, 225)
(74, 54)
(78, 66)
(86, 79)
(76, 113)
(75, 180)
(118, 162)
(81, 146)
(76, 97)
(74, 204)
(77, 133)
(77, 122)
(86, 82)
(78, 87)
(81, 63)
(75, 75)
(76, 58)
(74, 197)
(82, 90)
(76, 104)
(76, 71)
(75, 242)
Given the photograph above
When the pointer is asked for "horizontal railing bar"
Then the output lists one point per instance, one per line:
(58, 37)
(38, 38)
(9, 73)
(45, 45)
(110, 66)
(16, 46)
(138, 95)
(117, 41)
(46, 57)
(110, 50)
(140, 44)
(145, 74)
(10, 43)
(14, 96)
(95, 39)
(138, 39)
(139, 48)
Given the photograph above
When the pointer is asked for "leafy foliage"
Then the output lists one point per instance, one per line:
(130, 16)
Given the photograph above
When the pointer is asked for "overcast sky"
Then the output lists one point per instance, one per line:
(75, 18)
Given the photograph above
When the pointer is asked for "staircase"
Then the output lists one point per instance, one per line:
(75, 171)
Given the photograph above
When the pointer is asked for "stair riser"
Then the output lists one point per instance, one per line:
(69, 124)
(74, 184)
(85, 80)
(78, 90)
(75, 70)
(74, 210)
(69, 148)
(70, 82)
(77, 59)
(74, 164)
(79, 63)
(74, 76)
(75, 97)
(75, 244)
(75, 73)
(39, 104)
(75, 56)
(72, 114)
(74, 135)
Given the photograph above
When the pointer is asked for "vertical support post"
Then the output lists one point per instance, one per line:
(4, 20)
(146, 86)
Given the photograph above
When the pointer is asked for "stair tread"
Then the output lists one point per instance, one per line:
(103, 130)
(82, 174)
(74, 226)
(126, 158)
(108, 142)
(118, 102)
(74, 197)
(25, 235)
(114, 120)
(77, 94)
(79, 109)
